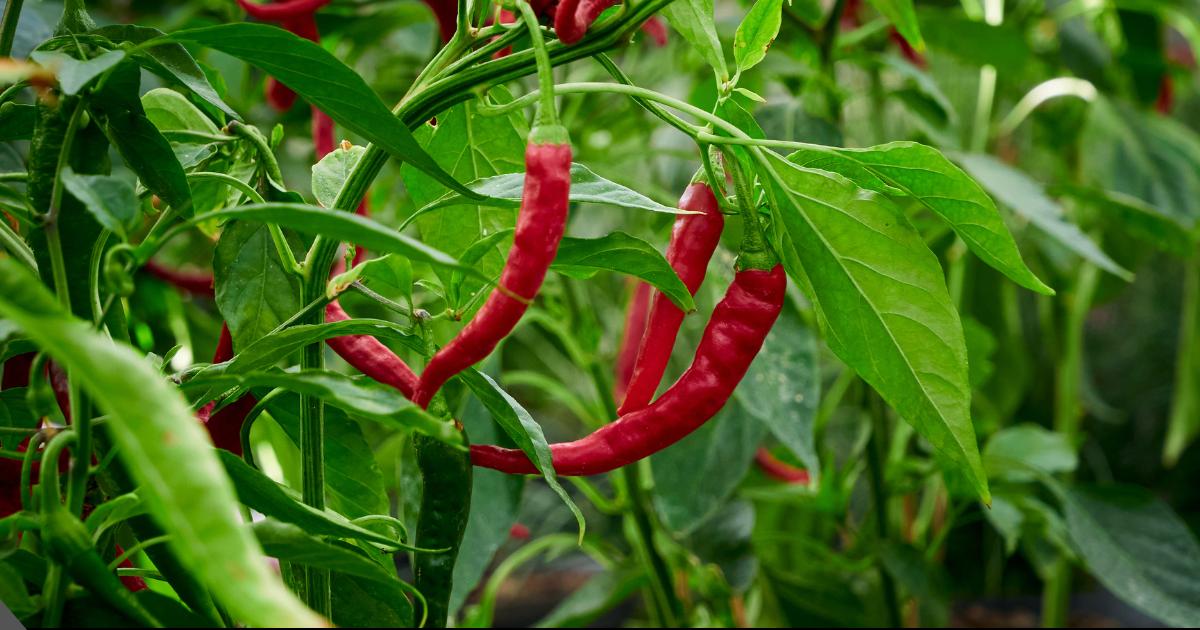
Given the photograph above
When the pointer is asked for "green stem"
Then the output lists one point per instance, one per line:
(8, 26)
(141, 544)
(879, 495)
(981, 128)
(547, 110)
(755, 254)
(230, 181)
(51, 495)
(1182, 427)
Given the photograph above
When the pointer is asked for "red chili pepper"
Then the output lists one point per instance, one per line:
(657, 31)
(540, 225)
(297, 16)
(693, 241)
(225, 426)
(906, 49)
(778, 469)
(1166, 96)
(369, 356)
(739, 325)
(132, 583)
(199, 283)
(518, 532)
(16, 371)
(635, 329)
(446, 13)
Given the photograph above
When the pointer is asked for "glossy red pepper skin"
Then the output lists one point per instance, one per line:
(636, 318)
(693, 240)
(296, 16)
(197, 283)
(739, 325)
(777, 469)
(369, 356)
(657, 31)
(540, 225)
(225, 426)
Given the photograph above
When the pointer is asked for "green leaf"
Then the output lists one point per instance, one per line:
(524, 431)
(694, 20)
(756, 32)
(602, 592)
(168, 60)
(783, 386)
(165, 450)
(292, 544)
(15, 594)
(924, 174)
(331, 172)
(1137, 218)
(353, 481)
(901, 14)
(342, 226)
(170, 110)
(696, 476)
(1023, 452)
(504, 191)
(148, 154)
(1139, 549)
(883, 301)
(583, 257)
(75, 74)
(111, 199)
(254, 292)
(323, 81)
(1027, 198)
(362, 603)
(259, 493)
(361, 398)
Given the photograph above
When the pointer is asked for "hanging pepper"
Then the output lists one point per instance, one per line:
(446, 478)
(225, 426)
(198, 283)
(297, 16)
(693, 241)
(735, 333)
(369, 356)
(635, 329)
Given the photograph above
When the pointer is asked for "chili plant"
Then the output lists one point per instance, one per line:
(738, 313)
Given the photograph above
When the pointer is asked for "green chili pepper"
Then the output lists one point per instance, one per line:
(445, 505)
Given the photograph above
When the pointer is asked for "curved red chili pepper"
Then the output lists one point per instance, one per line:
(369, 356)
(446, 13)
(739, 325)
(197, 282)
(779, 469)
(693, 241)
(566, 27)
(540, 225)
(296, 16)
(635, 329)
(657, 31)
(278, 11)
(906, 49)
(1166, 96)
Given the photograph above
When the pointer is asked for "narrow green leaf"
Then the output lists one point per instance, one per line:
(75, 74)
(694, 20)
(924, 174)
(885, 308)
(111, 199)
(323, 81)
(165, 450)
(1023, 452)
(524, 431)
(1027, 198)
(902, 15)
(583, 257)
(343, 226)
(170, 110)
(756, 33)
(291, 543)
(361, 398)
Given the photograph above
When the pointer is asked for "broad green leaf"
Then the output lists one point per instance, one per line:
(170, 61)
(724, 541)
(1027, 198)
(583, 257)
(695, 476)
(17, 121)
(165, 450)
(977, 43)
(694, 20)
(149, 155)
(362, 603)
(495, 504)
(110, 198)
(524, 431)
(901, 14)
(361, 398)
(925, 174)
(15, 412)
(1023, 452)
(331, 172)
(885, 307)
(169, 109)
(472, 255)
(254, 292)
(323, 81)
(1137, 218)
(586, 187)
(342, 226)
(353, 481)
(1139, 549)
(783, 386)
(756, 32)
(261, 494)
(291, 543)
(75, 74)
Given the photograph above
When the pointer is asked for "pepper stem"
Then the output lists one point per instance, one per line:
(547, 113)
(755, 254)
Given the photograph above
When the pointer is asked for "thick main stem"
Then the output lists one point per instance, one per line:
(8, 26)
